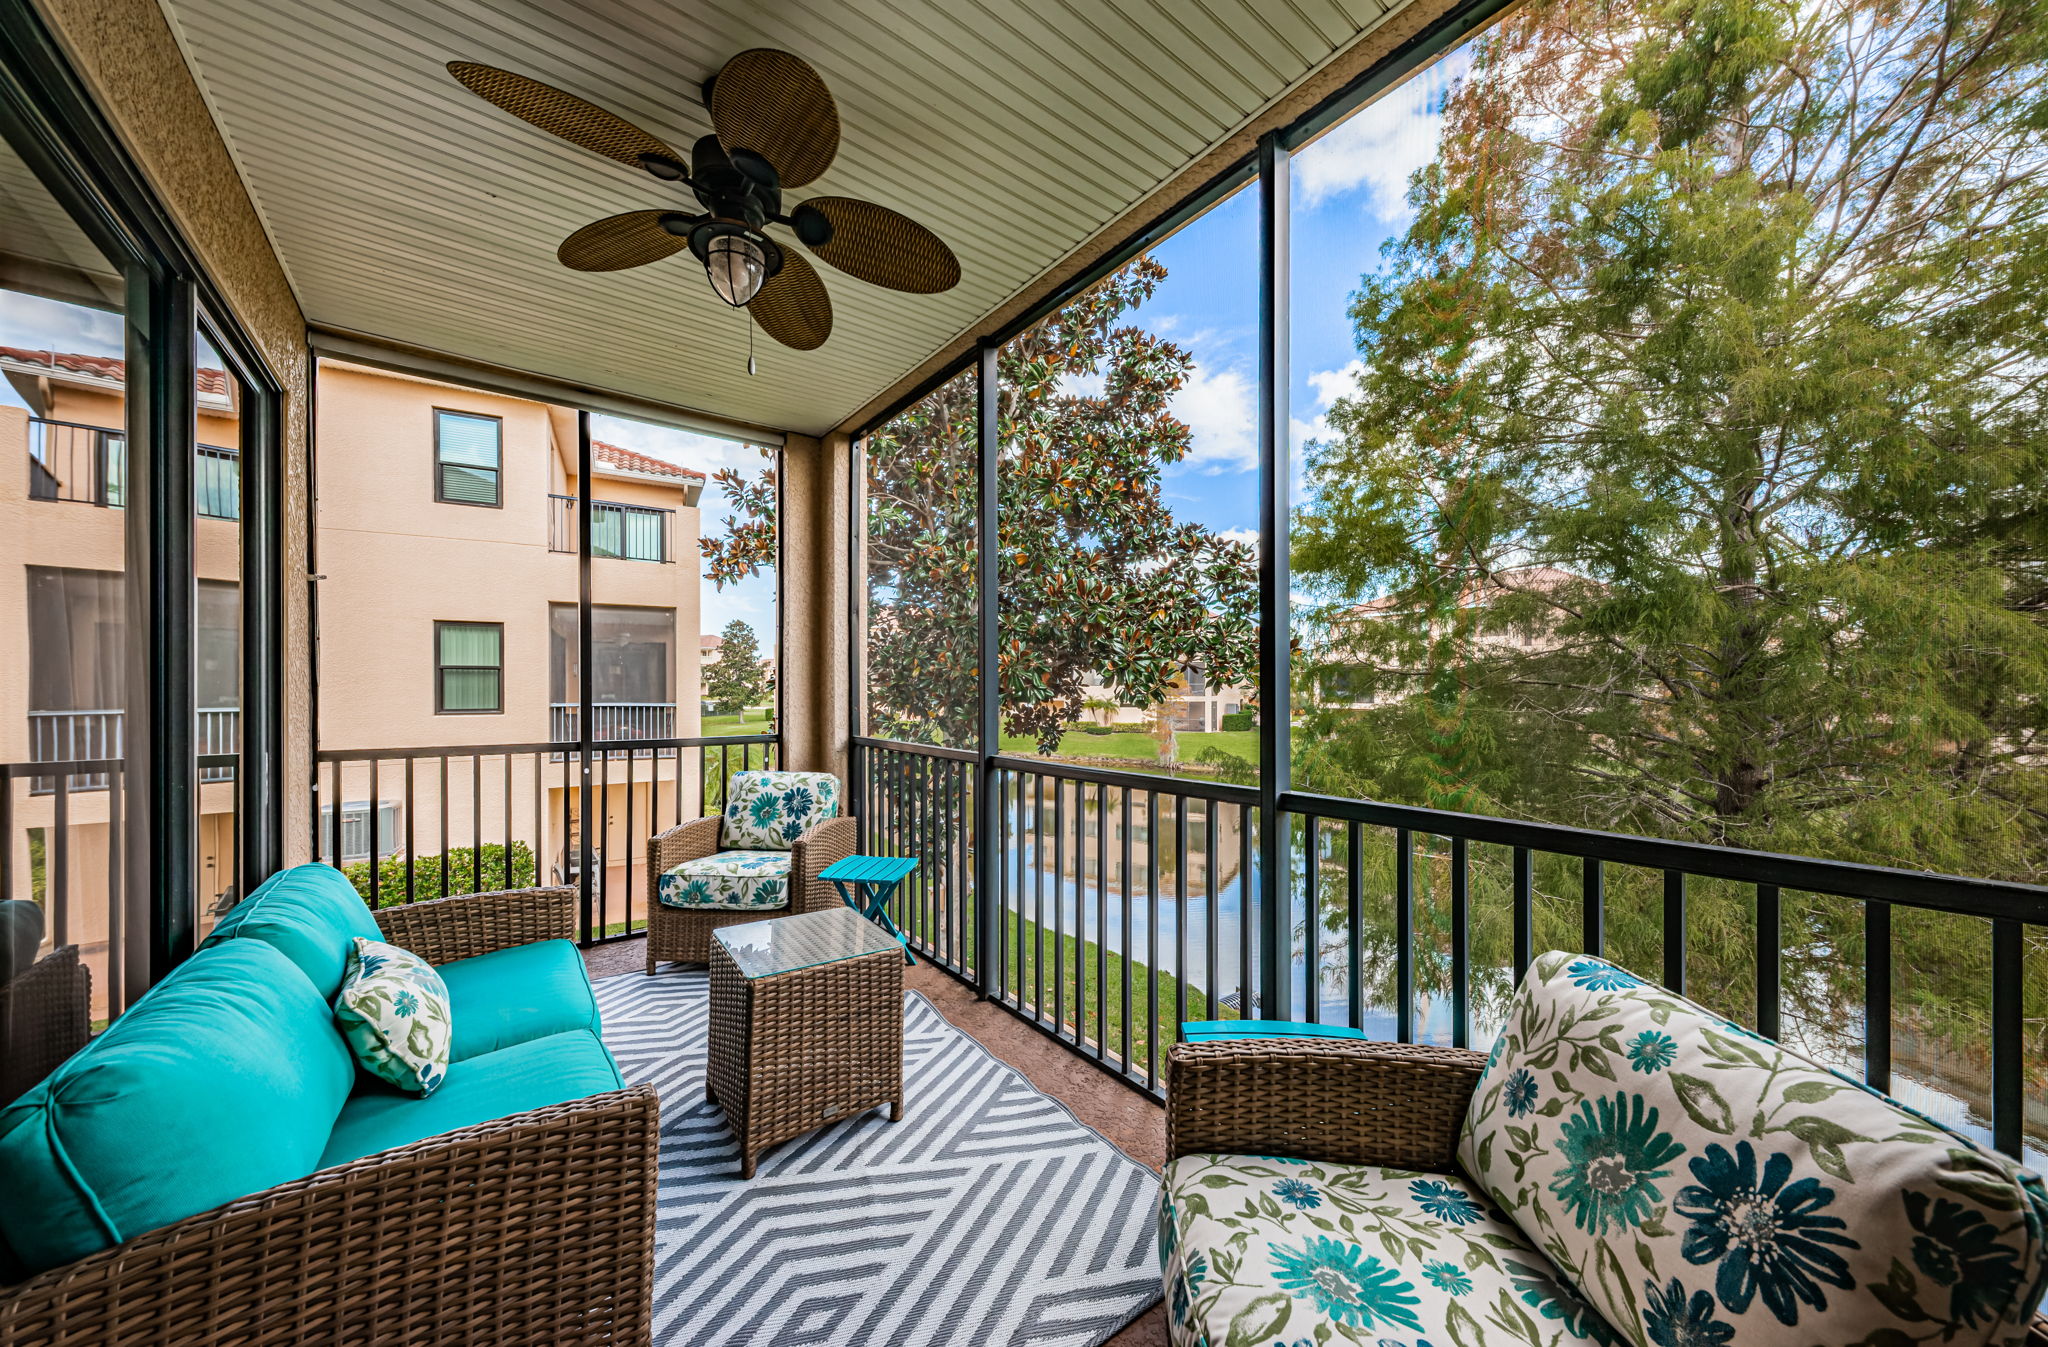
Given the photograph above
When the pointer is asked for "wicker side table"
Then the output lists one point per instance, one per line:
(806, 1025)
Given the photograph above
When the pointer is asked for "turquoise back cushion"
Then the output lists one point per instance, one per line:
(1698, 1183)
(311, 913)
(769, 811)
(224, 1080)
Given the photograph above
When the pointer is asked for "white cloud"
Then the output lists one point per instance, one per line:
(1220, 406)
(1091, 385)
(1247, 536)
(46, 324)
(1378, 147)
(1331, 384)
(704, 453)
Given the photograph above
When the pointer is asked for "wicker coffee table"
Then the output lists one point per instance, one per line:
(806, 1025)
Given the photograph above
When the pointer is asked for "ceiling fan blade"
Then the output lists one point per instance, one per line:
(620, 241)
(562, 114)
(793, 307)
(875, 244)
(774, 104)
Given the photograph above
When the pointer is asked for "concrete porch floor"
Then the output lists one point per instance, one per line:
(1133, 1123)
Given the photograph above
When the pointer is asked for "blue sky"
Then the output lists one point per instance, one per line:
(1350, 195)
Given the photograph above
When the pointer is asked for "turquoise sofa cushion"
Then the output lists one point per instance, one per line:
(1696, 1182)
(530, 1075)
(512, 996)
(311, 913)
(224, 1080)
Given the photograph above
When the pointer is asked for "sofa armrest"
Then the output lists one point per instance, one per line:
(536, 1228)
(466, 925)
(827, 843)
(690, 841)
(1341, 1100)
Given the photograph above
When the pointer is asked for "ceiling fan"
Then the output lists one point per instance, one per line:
(775, 127)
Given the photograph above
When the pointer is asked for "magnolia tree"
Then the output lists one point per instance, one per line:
(1696, 470)
(1097, 576)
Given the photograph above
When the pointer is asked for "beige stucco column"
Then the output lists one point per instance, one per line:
(814, 616)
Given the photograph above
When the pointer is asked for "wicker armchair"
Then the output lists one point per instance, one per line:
(1339, 1100)
(45, 1016)
(683, 935)
(537, 1228)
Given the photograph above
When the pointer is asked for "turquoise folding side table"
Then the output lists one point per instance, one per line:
(1211, 1031)
(866, 883)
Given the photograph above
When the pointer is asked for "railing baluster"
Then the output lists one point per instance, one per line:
(1101, 921)
(1525, 911)
(1038, 896)
(117, 912)
(1124, 929)
(335, 816)
(1151, 939)
(1674, 930)
(1245, 1008)
(1354, 927)
(631, 753)
(1877, 995)
(411, 840)
(1059, 903)
(1404, 936)
(444, 827)
(376, 866)
(476, 823)
(1000, 873)
(507, 867)
(1461, 944)
(2008, 1028)
(1311, 918)
(1212, 1007)
(1180, 911)
(58, 864)
(7, 837)
(1768, 953)
(1080, 911)
(1593, 906)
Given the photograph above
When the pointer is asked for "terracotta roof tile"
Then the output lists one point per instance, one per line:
(626, 460)
(212, 382)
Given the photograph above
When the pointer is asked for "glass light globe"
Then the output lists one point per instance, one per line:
(737, 267)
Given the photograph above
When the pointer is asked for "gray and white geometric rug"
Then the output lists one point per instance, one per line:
(990, 1215)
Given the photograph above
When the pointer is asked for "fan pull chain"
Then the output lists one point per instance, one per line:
(750, 343)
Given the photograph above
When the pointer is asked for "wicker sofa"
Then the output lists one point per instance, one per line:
(514, 1205)
(1625, 1166)
(45, 1004)
(678, 933)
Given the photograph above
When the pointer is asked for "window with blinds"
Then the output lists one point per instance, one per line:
(467, 453)
(469, 671)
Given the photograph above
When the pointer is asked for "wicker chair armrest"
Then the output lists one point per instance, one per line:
(466, 925)
(827, 843)
(45, 1016)
(537, 1228)
(1339, 1100)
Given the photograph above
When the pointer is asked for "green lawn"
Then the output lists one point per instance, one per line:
(755, 721)
(1135, 745)
(1238, 743)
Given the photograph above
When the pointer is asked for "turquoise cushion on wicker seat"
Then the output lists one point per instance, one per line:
(543, 1071)
(1262, 1250)
(729, 881)
(515, 995)
(769, 811)
(223, 1081)
(1698, 1183)
(311, 913)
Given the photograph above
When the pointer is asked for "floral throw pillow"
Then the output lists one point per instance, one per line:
(769, 811)
(393, 1010)
(1702, 1185)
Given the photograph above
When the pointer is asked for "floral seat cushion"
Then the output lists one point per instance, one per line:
(1262, 1250)
(729, 881)
(1701, 1185)
(769, 811)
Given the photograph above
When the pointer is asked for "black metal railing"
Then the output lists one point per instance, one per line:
(1128, 902)
(618, 530)
(61, 847)
(68, 461)
(67, 736)
(613, 720)
(468, 818)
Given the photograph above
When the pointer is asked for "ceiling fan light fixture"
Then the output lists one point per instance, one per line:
(737, 266)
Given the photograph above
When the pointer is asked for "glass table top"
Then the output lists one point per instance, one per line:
(761, 949)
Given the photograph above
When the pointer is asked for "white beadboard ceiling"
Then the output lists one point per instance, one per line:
(406, 208)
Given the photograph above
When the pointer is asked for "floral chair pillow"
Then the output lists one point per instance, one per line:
(1702, 1185)
(769, 811)
(393, 1010)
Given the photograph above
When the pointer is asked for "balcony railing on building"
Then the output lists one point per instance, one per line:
(618, 530)
(89, 465)
(86, 736)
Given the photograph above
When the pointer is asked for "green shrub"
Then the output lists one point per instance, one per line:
(1097, 729)
(426, 873)
(1240, 720)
